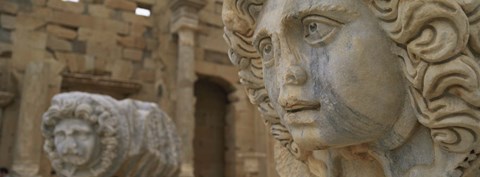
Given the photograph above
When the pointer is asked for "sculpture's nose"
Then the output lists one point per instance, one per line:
(295, 75)
(70, 146)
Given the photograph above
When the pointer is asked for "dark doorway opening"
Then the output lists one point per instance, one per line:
(209, 141)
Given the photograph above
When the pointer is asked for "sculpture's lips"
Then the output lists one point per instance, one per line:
(300, 105)
(298, 112)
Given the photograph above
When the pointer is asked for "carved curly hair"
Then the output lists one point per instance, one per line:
(93, 112)
(439, 44)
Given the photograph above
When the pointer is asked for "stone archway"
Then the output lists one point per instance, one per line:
(209, 141)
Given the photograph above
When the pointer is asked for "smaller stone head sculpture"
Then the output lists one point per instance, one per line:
(90, 135)
(80, 133)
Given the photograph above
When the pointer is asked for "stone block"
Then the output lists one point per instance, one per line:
(71, 19)
(133, 18)
(28, 22)
(132, 54)
(75, 62)
(96, 23)
(147, 2)
(132, 42)
(104, 50)
(146, 75)
(22, 56)
(8, 7)
(137, 29)
(29, 39)
(151, 44)
(66, 6)
(5, 50)
(7, 21)
(104, 24)
(99, 11)
(57, 44)
(121, 69)
(5, 36)
(121, 5)
(39, 2)
(61, 32)
(85, 34)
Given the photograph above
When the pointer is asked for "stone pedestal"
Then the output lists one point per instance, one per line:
(185, 24)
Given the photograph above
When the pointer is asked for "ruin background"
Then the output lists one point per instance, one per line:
(175, 57)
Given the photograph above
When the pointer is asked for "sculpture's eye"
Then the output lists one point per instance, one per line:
(319, 30)
(59, 136)
(266, 48)
(82, 135)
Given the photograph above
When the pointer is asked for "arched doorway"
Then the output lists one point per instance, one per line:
(209, 141)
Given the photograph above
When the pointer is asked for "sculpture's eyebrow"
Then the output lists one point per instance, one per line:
(337, 12)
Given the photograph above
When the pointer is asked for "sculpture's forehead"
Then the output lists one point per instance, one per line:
(72, 124)
(275, 12)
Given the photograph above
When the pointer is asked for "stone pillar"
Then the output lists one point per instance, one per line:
(5, 99)
(41, 81)
(185, 24)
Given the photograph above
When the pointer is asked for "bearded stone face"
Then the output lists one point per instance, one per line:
(75, 141)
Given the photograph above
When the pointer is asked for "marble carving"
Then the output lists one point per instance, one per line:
(377, 88)
(90, 135)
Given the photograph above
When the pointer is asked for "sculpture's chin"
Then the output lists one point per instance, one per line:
(75, 160)
(308, 138)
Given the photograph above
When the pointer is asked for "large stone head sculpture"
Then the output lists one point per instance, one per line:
(371, 80)
(90, 135)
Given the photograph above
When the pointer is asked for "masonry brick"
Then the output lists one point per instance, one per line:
(121, 5)
(137, 29)
(66, 6)
(121, 69)
(61, 32)
(29, 39)
(133, 18)
(132, 42)
(132, 54)
(28, 22)
(74, 62)
(8, 7)
(99, 11)
(7, 21)
(58, 44)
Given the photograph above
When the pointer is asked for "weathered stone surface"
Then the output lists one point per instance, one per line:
(121, 69)
(121, 5)
(127, 129)
(61, 32)
(78, 20)
(66, 6)
(133, 18)
(7, 21)
(99, 11)
(8, 7)
(363, 88)
(75, 62)
(132, 42)
(55, 43)
(132, 54)
(137, 29)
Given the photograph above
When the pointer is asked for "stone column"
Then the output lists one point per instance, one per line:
(185, 24)
(5, 99)
(41, 81)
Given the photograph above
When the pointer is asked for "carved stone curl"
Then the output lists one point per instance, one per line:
(90, 135)
(373, 88)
